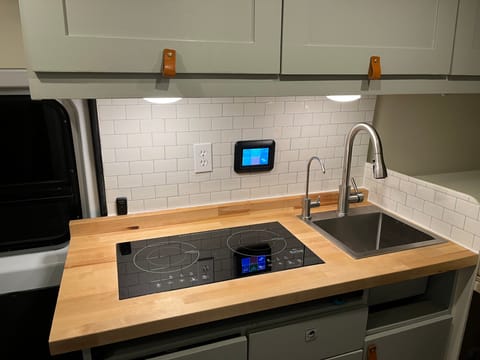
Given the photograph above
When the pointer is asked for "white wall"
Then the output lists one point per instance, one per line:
(147, 149)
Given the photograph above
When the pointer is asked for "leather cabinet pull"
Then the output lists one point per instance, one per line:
(169, 63)
(372, 352)
(375, 69)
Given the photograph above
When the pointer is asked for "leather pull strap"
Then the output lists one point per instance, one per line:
(375, 69)
(169, 63)
(372, 352)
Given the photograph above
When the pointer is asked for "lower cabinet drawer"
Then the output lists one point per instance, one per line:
(231, 349)
(422, 341)
(314, 339)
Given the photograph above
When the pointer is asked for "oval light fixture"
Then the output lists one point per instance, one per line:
(344, 98)
(162, 100)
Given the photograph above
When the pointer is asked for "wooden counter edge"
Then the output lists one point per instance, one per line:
(245, 308)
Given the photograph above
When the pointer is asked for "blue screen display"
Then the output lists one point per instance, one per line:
(255, 156)
(254, 264)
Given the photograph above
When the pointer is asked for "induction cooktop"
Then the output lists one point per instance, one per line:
(180, 261)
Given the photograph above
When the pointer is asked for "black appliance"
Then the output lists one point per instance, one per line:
(180, 261)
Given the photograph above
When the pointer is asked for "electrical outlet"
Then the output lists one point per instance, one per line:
(202, 157)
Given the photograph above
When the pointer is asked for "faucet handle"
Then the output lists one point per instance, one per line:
(354, 185)
(357, 196)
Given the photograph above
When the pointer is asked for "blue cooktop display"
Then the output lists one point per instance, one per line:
(180, 261)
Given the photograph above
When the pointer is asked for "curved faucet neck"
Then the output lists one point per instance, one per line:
(379, 171)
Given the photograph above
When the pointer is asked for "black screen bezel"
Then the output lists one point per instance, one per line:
(253, 144)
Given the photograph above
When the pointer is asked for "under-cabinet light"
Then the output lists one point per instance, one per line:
(162, 100)
(344, 98)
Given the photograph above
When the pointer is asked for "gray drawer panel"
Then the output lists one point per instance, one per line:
(231, 349)
(314, 339)
(423, 341)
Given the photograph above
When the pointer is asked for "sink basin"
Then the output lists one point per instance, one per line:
(368, 231)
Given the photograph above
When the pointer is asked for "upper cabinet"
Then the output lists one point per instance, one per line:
(210, 36)
(466, 54)
(113, 48)
(339, 36)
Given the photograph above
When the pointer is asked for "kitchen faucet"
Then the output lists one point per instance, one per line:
(379, 168)
(307, 203)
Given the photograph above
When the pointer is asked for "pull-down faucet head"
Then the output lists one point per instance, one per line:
(379, 168)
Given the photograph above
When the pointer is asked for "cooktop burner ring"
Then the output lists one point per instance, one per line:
(276, 242)
(166, 257)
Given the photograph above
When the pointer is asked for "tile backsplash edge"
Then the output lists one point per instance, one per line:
(447, 212)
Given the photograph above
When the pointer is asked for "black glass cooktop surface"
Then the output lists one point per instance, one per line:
(180, 261)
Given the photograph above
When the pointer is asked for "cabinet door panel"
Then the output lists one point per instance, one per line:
(210, 36)
(319, 338)
(339, 36)
(425, 341)
(232, 349)
(466, 55)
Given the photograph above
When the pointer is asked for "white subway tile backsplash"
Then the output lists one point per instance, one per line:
(143, 193)
(151, 126)
(141, 167)
(232, 109)
(200, 124)
(164, 191)
(449, 213)
(188, 110)
(129, 181)
(463, 237)
(472, 226)
(176, 152)
(275, 108)
(252, 134)
(441, 227)
(127, 154)
(155, 204)
(118, 168)
(113, 141)
(172, 125)
(138, 140)
(445, 200)
(149, 146)
(255, 109)
(467, 208)
(110, 112)
(152, 152)
(164, 111)
(153, 179)
(425, 193)
(138, 112)
(210, 110)
(222, 123)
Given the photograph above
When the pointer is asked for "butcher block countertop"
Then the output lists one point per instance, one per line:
(89, 313)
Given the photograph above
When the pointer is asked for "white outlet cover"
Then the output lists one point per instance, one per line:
(202, 157)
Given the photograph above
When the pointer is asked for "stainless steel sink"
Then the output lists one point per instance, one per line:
(368, 231)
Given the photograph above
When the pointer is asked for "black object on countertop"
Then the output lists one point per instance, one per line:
(180, 261)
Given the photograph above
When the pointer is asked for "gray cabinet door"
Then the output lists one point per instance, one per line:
(210, 36)
(423, 341)
(466, 54)
(314, 339)
(232, 349)
(339, 36)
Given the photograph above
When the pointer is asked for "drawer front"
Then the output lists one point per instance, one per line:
(424, 341)
(231, 349)
(314, 339)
